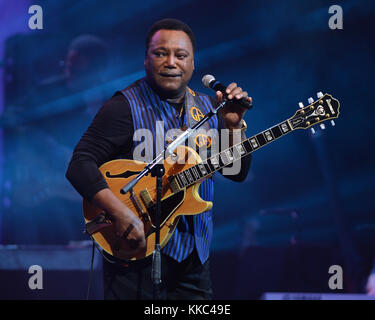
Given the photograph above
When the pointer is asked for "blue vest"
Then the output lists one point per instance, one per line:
(147, 108)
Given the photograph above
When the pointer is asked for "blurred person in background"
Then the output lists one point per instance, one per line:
(38, 149)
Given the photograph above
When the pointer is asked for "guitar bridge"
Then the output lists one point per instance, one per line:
(146, 198)
(138, 205)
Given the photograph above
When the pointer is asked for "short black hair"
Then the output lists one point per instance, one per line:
(92, 47)
(170, 24)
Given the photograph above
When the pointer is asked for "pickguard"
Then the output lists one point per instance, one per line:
(168, 206)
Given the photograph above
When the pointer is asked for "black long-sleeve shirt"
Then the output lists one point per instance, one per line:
(110, 136)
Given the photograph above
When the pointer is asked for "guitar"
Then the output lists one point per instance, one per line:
(184, 171)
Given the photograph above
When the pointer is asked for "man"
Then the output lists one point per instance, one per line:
(162, 95)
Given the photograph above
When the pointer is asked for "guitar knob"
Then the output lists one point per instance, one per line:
(300, 104)
(322, 126)
(312, 130)
(310, 100)
(333, 123)
(319, 94)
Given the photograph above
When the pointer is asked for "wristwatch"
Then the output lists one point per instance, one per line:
(243, 127)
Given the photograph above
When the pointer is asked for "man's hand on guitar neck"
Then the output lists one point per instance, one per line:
(127, 224)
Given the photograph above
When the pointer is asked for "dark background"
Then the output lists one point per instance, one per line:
(310, 191)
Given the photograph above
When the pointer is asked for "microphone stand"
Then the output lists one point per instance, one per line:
(156, 168)
(158, 172)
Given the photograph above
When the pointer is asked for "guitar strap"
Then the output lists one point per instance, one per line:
(204, 140)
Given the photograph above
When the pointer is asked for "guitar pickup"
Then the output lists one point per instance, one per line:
(146, 198)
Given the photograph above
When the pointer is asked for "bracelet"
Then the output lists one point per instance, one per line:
(243, 127)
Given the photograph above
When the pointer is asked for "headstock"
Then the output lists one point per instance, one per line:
(323, 109)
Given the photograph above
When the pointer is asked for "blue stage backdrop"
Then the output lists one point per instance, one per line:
(302, 188)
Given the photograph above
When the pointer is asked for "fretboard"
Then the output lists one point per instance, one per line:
(226, 157)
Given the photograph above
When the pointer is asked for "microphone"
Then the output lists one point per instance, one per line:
(209, 81)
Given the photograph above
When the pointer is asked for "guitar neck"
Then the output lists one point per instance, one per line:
(228, 156)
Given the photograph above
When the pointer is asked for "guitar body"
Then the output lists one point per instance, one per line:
(117, 174)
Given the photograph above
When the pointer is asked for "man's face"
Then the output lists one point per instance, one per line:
(169, 62)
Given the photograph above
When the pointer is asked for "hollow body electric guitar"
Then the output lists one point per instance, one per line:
(184, 171)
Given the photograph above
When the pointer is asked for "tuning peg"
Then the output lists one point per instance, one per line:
(312, 130)
(322, 126)
(319, 94)
(333, 123)
(310, 100)
(300, 104)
